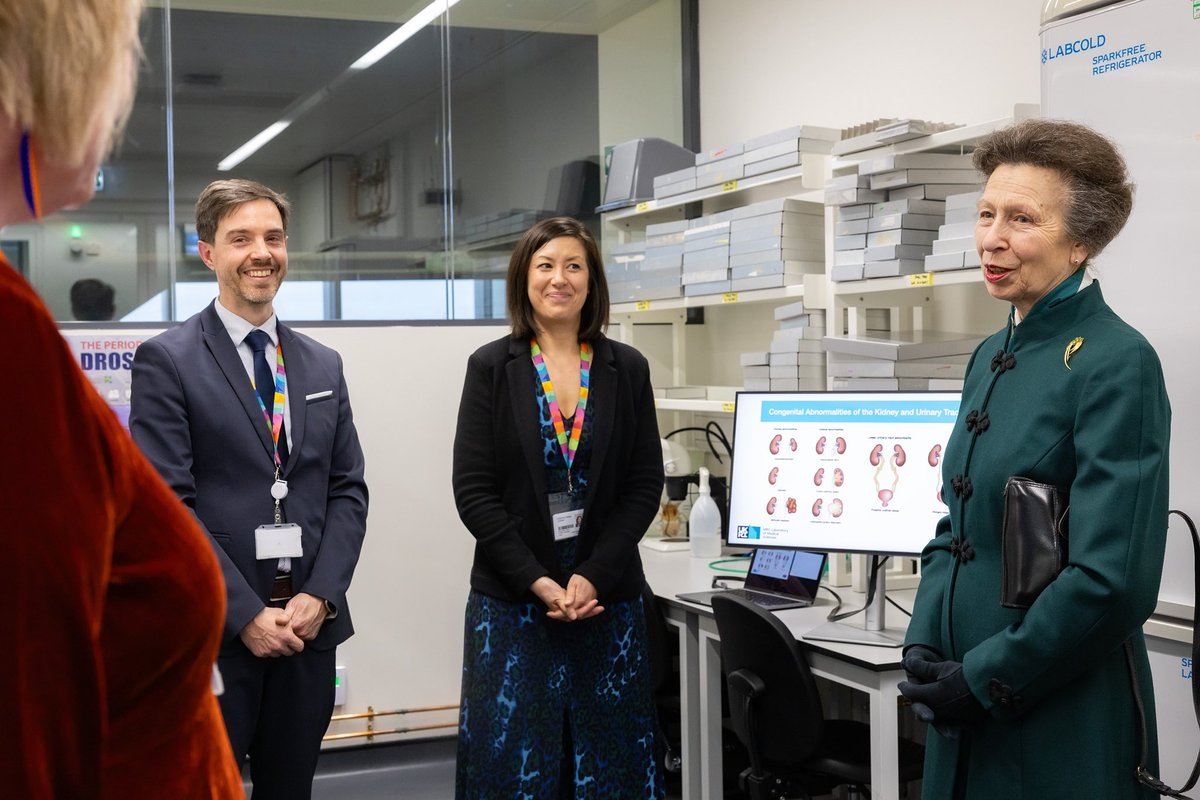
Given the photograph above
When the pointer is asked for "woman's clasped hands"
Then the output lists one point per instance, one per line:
(576, 602)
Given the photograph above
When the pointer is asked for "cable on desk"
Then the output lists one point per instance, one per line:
(876, 565)
(837, 607)
(716, 565)
(903, 610)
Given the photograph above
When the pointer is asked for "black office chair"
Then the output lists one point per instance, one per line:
(776, 712)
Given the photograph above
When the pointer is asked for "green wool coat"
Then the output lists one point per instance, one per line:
(1061, 720)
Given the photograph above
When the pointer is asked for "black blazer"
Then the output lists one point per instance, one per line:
(196, 417)
(500, 476)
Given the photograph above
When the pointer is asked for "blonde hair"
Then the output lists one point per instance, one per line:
(67, 71)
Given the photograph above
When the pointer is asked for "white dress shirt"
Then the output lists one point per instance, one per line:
(238, 329)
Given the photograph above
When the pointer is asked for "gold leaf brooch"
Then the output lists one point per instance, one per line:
(1075, 344)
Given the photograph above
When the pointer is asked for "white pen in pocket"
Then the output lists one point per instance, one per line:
(308, 398)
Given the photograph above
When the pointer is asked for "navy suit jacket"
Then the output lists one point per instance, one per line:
(196, 416)
(500, 474)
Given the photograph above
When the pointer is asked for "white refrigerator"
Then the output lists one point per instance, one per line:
(1132, 71)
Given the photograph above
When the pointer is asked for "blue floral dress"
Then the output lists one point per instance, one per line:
(533, 686)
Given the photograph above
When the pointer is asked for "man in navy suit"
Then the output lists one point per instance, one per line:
(250, 424)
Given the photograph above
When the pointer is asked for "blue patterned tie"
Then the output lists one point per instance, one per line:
(264, 381)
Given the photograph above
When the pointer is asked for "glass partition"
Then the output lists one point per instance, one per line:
(416, 143)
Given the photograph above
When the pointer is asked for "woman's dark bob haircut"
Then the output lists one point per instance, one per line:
(1098, 194)
(593, 318)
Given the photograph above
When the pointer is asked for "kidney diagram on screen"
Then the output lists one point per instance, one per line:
(869, 485)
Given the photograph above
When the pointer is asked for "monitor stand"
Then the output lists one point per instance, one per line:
(874, 630)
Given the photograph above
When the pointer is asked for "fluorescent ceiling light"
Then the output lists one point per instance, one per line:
(419, 20)
(249, 148)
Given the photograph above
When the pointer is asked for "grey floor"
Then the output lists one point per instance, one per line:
(405, 771)
(409, 771)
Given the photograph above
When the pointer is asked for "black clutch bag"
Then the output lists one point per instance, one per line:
(1034, 540)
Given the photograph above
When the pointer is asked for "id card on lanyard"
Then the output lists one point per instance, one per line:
(565, 513)
(278, 539)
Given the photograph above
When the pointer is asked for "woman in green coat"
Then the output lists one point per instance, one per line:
(1037, 702)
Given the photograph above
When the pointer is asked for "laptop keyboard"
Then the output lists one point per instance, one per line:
(765, 600)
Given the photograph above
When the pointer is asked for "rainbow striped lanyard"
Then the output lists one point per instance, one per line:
(569, 446)
(275, 417)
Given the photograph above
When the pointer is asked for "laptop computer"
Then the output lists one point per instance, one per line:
(777, 579)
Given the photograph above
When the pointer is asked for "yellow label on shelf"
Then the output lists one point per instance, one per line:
(728, 186)
(728, 408)
(642, 305)
(729, 297)
(643, 206)
(922, 279)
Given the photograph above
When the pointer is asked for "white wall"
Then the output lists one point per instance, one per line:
(410, 589)
(769, 64)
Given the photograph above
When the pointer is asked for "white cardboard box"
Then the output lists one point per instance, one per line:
(851, 226)
(944, 261)
(784, 161)
(907, 177)
(764, 282)
(910, 206)
(778, 205)
(966, 243)
(720, 154)
(893, 268)
(790, 310)
(958, 216)
(963, 199)
(766, 268)
(713, 287)
(888, 163)
(846, 272)
(791, 230)
(846, 197)
(789, 247)
(704, 276)
(900, 236)
(923, 222)
(891, 252)
(862, 211)
(957, 230)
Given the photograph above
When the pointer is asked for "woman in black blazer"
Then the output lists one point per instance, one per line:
(557, 474)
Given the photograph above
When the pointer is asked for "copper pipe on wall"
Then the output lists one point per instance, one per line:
(372, 733)
(370, 714)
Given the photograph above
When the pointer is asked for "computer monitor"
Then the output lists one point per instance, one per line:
(848, 472)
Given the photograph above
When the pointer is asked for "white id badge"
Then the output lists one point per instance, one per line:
(567, 524)
(566, 519)
(277, 541)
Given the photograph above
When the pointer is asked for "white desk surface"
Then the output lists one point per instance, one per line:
(674, 573)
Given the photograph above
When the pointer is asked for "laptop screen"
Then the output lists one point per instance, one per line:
(791, 572)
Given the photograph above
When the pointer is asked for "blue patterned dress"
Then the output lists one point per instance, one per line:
(524, 675)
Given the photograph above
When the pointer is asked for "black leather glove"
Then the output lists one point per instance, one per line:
(919, 652)
(940, 693)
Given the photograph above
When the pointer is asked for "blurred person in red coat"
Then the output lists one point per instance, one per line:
(114, 600)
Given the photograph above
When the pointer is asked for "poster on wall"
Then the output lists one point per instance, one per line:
(107, 361)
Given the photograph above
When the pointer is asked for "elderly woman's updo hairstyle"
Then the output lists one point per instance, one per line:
(1098, 194)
